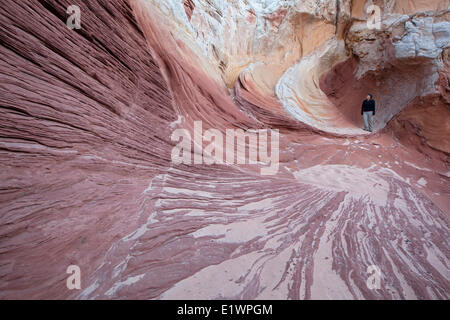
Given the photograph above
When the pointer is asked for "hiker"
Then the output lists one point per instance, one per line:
(368, 111)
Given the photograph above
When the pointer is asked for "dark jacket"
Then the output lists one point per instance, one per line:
(368, 105)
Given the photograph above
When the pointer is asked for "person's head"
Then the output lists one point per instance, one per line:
(369, 96)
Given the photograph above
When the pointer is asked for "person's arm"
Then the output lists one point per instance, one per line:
(374, 107)
(362, 108)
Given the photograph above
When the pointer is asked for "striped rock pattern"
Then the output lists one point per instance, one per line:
(88, 178)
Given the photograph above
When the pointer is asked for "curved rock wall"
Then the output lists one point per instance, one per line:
(88, 180)
(85, 123)
(262, 40)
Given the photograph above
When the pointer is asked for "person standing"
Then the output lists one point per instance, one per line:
(368, 111)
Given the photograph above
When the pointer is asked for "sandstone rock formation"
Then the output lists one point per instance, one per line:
(88, 179)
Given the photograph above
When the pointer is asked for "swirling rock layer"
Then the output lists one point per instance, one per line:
(87, 179)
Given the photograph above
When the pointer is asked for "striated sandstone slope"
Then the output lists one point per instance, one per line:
(85, 136)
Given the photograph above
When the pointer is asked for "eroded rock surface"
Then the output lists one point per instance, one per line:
(88, 180)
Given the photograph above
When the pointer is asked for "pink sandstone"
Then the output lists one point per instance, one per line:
(85, 150)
